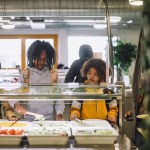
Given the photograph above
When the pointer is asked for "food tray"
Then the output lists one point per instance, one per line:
(10, 136)
(48, 136)
(19, 124)
(47, 140)
(91, 123)
(87, 136)
(10, 140)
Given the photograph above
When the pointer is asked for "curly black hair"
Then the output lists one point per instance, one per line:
(98, 64)
(35, 50)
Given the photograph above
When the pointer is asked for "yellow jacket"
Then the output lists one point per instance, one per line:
(95, 109)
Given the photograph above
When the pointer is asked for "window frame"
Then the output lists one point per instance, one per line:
(23, 38)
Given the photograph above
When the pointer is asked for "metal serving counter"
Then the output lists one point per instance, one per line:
(63, 91)
(123, 143)
(67, 92)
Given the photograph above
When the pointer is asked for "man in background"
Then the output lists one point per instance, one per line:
(73, 75)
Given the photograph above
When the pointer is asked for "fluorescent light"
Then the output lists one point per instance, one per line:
(27, 18)
(114, 19)
(130, 21)
(8, 26)
(37, 25)
(12, 17)
(49, 20)
(74, 21)
(136, 2)
(99, 26)
(124, 24)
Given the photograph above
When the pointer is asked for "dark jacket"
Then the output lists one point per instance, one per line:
(73, 75)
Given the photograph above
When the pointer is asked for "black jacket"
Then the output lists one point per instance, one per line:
(73, 75)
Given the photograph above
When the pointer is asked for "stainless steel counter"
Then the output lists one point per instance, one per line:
(123, 143)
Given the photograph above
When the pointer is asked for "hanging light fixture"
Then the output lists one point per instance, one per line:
(100, 26)
(7, 25)
(136, 2)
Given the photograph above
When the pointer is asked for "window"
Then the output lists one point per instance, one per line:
(10, 54)
(14, 47)
(98, 44)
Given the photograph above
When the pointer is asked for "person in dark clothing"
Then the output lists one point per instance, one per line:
(60, 66)
(74, 75)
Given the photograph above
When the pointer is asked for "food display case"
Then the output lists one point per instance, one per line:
(63, 133)
(93, 131)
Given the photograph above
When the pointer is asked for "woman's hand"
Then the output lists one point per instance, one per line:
(12, 118)
(59, 117)
(112, 120)
(20, 109)
(73, 117)
(26, 75)
(129, 115)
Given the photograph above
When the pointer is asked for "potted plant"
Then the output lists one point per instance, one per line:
(124, 54)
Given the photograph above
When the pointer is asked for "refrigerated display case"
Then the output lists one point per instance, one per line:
(66, 134)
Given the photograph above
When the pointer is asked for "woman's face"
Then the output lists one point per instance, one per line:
(92, 76)
(41, 61)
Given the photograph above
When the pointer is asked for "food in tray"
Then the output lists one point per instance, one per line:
(8, 123)
(92, 123)
(85, 132)
(46, 132)
(50, 124)
(11, 131)
(103, 132)
(94, 132)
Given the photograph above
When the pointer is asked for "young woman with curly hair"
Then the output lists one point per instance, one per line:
(95, 72)
(41, 59)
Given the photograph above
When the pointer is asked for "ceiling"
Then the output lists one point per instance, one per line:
(67, 13)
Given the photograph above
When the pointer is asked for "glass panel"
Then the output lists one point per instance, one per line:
(10, 53)
(98, 44)
(60, 92)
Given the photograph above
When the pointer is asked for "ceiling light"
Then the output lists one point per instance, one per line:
(37, 25)
(130, 21)
(124, 24)
(27, 18)
(12, 17)
(8, 26)
(114, 19)
(136, 2)
(76, 21)
(99, 26)
(49, 20)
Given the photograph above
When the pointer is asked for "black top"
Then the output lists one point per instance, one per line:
(73, 75)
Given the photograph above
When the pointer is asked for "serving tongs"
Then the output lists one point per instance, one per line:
(82, 123)
(37, 116)
(14, 122)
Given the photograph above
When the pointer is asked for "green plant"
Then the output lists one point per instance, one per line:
(124, 53)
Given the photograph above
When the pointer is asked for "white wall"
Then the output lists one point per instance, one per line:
(128, 35)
